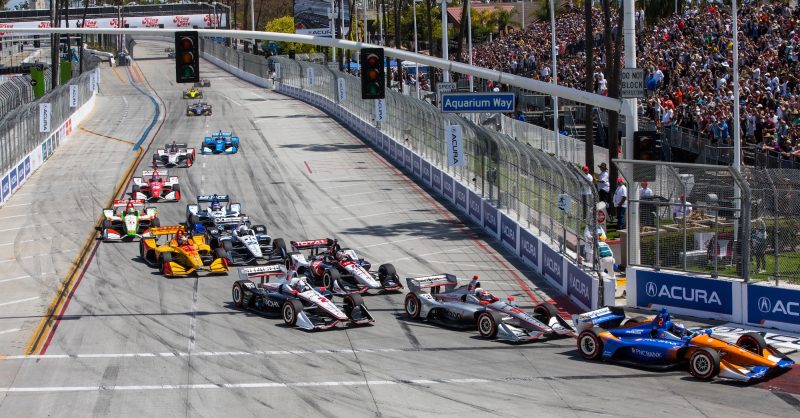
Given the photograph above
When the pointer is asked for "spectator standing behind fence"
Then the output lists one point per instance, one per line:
(645, 191)
(682, 209)
(586, 194)
(621, 202)
(603, 184)
(758, 239)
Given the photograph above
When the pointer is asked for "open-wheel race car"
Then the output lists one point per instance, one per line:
(174, 155)
(217, 209)
(658, 342)
(280, 292)
(340, 269)
(244, 243)
(133, 222)
(177, 253)
(439, 299)
(193, 93)
(155, 186)
(198, 109)
(220, 143)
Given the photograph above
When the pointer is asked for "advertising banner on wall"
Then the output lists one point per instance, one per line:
(461, 196)
(490, 218)
(529, 247)
(426, 172)
(579, 285)
(455, 146)
(447, 186)
(45, 112)
(311, 17)
(73, 96)
(508, 231)
(475, 206)
(768, 305)
(436, 179)
(695, 293)
(201, 21)
(552, 266)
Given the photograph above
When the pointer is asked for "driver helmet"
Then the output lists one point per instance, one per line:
(182, 239)
(482, 295)
(155, 177)
(174, 147)
(297, 284)
(215, 205)
(242, 229)
(341, 255)
(677, 329)
(129, 209)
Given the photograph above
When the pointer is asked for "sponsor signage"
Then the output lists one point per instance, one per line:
(445, 87)
(45, 112)
(436, 179)
(579, 285)
(461, 196)
(407, 158)
(341, 89)
(27, 166)
(426, 172)
(278, 70)
(709, 295)
(477, 102)
(529, 247)
(393, 150)
(773, 304)
(310, 75)
(508, 231)
(13, 180)
(475, 204)
(455, 146)
(385, 143)
(6, 190)
(417, 166)
(380, 110)
(490, 218)
(552, 265)
(202, 21)
(447, 186)
(93, 81)
(73, 96)
(311, 17)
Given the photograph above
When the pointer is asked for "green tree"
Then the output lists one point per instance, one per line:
(285, 24)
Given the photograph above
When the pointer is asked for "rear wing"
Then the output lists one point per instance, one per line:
(417, 284)
(147, 173)
(222, 134)
(223, 220)
(209, 198)
(311, 244)
(166, 146)
(123, 203)
(265, 272)
(590, 319)
(167, 230)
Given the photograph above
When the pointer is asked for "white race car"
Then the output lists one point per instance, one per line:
(174, 155)
(207, 217)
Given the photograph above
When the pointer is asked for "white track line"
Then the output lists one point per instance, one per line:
(374, 214)
(359, 204)
(15, 278)
(254, 385)
(18, 204)
(392, 242)
(201, 354)
(9, 330)
(19, 301)
(335, 197)
(426, 254)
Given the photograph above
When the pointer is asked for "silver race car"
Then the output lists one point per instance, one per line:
(208, 216)
(198, 109)
(244, 244)
(469, 306)
(174, 155)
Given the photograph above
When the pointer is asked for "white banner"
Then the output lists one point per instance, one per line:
(341, 89)
(380, 110)
(277, 71)
(202, 21)
(455, 146)
(45, 112)
(93, 76)
(73, 96)
(310, 75)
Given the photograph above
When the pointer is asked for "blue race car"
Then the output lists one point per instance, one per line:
(658, 342)
(198, 109)
(220, 143)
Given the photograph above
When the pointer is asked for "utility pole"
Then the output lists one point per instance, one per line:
(631, 126)
(445, 52)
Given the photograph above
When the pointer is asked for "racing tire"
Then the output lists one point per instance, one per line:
(330, 277)
(753, 342)
(351, 302)
(194, 220)
(220, 253)
(105, 226)
(590, 344)
(166, 258)
(279, 246)
(155, 223)
(412, 306)
(704, 363)
(387, 271)
(227, 246)
(176, 188)
(487, 325)
(545, 311)
(237, 293)
(290, 311)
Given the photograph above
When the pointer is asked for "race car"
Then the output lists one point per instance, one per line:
(134, 222)
(204, 82)
(215, 210)
(193, 93)
(170, 52)
(181, 254)
(174, 155)
(220, 143)
(198, 109)
(242, 243)
(340, 269)
(292, 298)
(155, 186)
(469, 306)
(658, 342)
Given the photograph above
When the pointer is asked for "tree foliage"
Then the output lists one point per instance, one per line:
(285, 24)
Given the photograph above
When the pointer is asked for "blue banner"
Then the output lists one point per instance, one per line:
(21, 172)
(508, 231)
(461, 196)
(385, 143)
(407, 159)
(767, 303)
(44, 150)
(6, 190)
(426, 172)
(436, 179)
(477, 102)
(27, 166)
(709, 295)
(447, 186)
(490, 218)
(417, 168)
(529, 247)
(393, 150)
(13, 175)
(579, 285)
(475, 203)
(552, 264)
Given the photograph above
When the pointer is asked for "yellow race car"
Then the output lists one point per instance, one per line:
(193, 93)
(181, 254)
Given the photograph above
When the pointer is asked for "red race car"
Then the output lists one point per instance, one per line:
(154, 186)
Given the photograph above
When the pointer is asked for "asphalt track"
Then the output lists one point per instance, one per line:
(133, 343)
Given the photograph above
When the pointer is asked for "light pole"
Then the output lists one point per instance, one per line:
(331, 15)
(469, 43)
(523, 13)
(252, 24)
(364, 36)
(416, 49)
(737, 137)
(445, 52)
(554, 76)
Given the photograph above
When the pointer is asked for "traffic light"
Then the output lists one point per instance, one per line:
(373, 77)
(187, 57)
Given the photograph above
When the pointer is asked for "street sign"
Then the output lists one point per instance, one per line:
(564, 202)
(478, 102)
(33, 83)
(632, 83)
(445, 87)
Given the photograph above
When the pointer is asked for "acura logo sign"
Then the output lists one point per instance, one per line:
(651, 289)
(764, 304)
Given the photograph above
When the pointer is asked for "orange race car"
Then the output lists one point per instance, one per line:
(658, 342)
(181, 254)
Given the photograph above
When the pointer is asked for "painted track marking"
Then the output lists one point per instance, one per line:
(19, 301)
